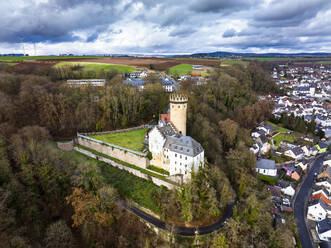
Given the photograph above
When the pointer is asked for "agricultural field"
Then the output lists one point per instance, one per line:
(228, 62)
(182, 69)
(132, 140)
(20, 58)
(8, 63)
(98, 66)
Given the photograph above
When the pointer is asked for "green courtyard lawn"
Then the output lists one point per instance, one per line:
(182, 69)
(132, 140)
(98, 66)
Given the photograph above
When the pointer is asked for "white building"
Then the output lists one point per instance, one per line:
(175, 153)
(171, 149)
(86, 82)
(266, 167)
(323, 229)
(289, 190)
(318, 210)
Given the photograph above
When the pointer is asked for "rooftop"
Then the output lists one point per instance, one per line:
(184, 145)
(266, 164)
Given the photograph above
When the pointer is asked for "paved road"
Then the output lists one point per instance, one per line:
(185, 231)
(301, 200)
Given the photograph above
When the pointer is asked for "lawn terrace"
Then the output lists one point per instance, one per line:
(133, 139)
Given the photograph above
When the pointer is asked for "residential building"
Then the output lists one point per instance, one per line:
(266, 167)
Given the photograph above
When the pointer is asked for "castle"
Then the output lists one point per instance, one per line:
(171, 149)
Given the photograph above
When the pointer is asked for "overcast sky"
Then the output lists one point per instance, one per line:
(161, 27)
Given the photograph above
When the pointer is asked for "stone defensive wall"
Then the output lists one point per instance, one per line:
(117, 131)
(133, 171)
(129, 156)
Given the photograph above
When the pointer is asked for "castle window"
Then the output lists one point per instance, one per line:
(180, 163)
(175, 162)
(178, 106)
(185, 158)
(180, 156)
(173, 106)
(176, 155)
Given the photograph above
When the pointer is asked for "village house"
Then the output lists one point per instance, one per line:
(266, 167)
(326, 173)
(323, 229)
(286, 187)
(268, 129)
(322, 193)
(324, 182)
(318, 210)
(296, 153)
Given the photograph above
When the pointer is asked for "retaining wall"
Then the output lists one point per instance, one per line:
(121, 153)
(117, 131)
(133, 171)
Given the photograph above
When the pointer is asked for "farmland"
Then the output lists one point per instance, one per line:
(228, 62)
(98, 66)
(182, 69)
(21, 58)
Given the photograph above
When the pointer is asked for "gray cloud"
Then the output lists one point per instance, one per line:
(225, 6)
(289, 13)
(182, 32)
(229, 33)
(169, 25)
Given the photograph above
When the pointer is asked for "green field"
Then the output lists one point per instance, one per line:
(134, 188)
(98, 66)
(185, 58)
(315, 62)
(278, 127)
(282, 134)
(279, 137)
(227, 62)
(132, 140)
(182, 69)
(8, 63)
(20, 58)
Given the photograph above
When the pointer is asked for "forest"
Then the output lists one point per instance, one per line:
(47, 199)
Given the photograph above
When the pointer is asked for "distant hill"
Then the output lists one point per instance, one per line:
(220, 54)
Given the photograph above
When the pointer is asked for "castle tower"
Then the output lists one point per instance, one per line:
(178, 109)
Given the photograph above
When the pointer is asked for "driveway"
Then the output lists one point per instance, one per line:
(302, 199)
(184, 231)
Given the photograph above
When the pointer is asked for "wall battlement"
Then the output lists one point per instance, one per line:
(178, 98)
